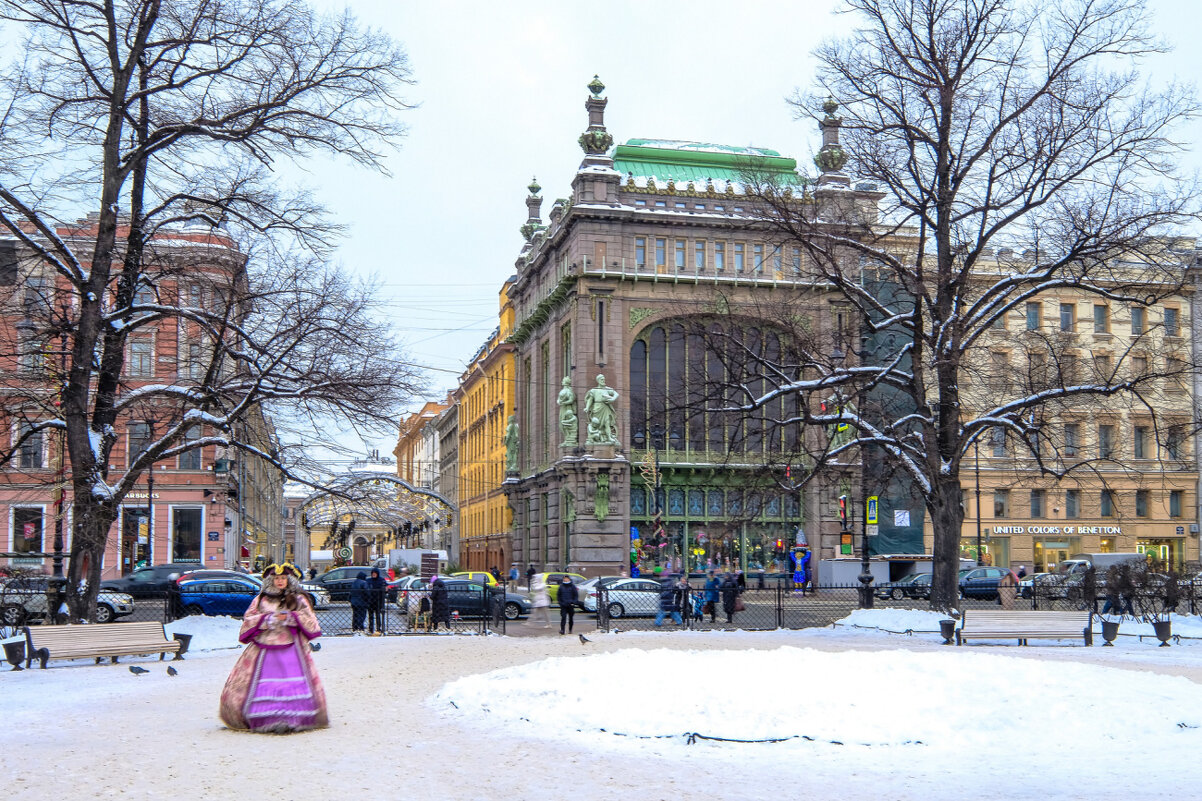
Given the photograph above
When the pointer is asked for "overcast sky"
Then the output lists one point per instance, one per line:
(501, 91)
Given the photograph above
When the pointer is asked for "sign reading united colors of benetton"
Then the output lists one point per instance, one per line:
(1057, 529)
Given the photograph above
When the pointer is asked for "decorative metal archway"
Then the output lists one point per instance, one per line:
(381, 498)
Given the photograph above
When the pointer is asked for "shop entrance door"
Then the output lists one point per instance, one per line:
(1052, 559)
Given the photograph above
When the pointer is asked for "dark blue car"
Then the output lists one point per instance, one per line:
(217, 596)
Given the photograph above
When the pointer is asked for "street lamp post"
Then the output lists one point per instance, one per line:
(976, 453)
(58, 582)
(865, 578)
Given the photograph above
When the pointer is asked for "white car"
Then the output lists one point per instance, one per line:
(23, 599)
(628, 597)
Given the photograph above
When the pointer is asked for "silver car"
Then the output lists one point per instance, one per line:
(628, 597)
(23, 599)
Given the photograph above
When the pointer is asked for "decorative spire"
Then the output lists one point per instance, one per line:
(831, 158)
(534, 203)
(596, 140)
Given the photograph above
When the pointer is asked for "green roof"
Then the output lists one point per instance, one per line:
(697, 161)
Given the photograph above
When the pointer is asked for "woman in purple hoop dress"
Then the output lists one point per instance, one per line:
(274, 687)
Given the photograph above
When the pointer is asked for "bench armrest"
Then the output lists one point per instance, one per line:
(184, 641)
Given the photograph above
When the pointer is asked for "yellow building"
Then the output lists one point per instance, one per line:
(1136, 483)
(485, 397)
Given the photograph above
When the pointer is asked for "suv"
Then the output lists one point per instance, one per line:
(152, 581)
(337, 582)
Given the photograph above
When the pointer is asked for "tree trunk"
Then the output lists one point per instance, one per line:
(92, 523)
(947, 517)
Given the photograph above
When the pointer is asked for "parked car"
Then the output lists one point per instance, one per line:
(478, 576)
(981, 582)
(23, 600)
(471, 598)
(337, 582)
(218, 596)
(915, 585)
(149, 581)
(554, 579)
(1044, 585)
(317, 593)
(628, 597)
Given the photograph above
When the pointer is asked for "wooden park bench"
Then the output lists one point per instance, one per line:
(98, 641)
(988, 624)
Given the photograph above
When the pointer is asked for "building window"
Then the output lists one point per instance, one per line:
(139, 440)
(1001, 503)
(680, 251)
(1175, 503)
(661, 254)
(1072, 439)
(141, 358)
(1137, 320)
(1033, 315)
(1101, 319)
(1106, 503)
(1106, 441)
(1141, 503)
(1067, 312)
(1139, 443)
(1037, 503)
(185, 531)
(739, 253)
(699, 254)
(1103, 366)
(1072, 503)
(31, 454)
(1174, 442)
(1171, 326)
(719, 256)
(797, 261)
(27, 529)
(190, 460)
(640, 253)
(997, 441)
(757, 262)
(1175, 374)
(778, 260)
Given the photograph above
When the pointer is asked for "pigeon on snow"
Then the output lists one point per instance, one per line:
(172, 671)
(134, 669)
(583, 639)
(314, 646)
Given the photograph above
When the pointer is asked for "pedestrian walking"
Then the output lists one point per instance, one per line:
(730, 594)
(540, 601)
(312, 573)
(359, 602)
(569, 597)
(496, 573)
(1022, 572)
(440, 604)
(529, 576)
(711, 596)
(513, 577)
(669, 601)
(376, 588)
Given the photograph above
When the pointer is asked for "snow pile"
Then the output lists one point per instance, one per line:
(208, 633)
(890, 698)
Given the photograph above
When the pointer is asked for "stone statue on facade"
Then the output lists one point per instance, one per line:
(511, 445)
(568, 422)
(600, 414)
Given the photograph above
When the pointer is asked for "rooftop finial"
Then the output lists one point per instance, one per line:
(534, 187)
(596, 87)
(831, 158)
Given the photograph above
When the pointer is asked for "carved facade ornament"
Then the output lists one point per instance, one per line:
(601, 498)
(638, 314)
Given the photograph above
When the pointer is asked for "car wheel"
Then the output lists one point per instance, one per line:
(616, 609)
(13, 615)
(193, 609)
(104, 613)
(512, 611)
(894, 594)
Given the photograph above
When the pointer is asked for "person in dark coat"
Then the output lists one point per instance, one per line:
(669, 601)
(711, 596)
(530, 571)
(730, 591)
(359, 601)
(312, 573)
(569, 597)
(376, 587)
(440, 604)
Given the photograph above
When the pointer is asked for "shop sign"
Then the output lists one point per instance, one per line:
(1068, 530)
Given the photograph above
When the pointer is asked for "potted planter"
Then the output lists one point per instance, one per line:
(1164, 630)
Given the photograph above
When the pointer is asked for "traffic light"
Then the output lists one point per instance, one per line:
(843, 512)
(780, 545)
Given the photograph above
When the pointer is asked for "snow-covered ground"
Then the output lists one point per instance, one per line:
(857, 712)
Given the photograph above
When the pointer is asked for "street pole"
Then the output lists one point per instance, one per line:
(150, 516)
(976, 453)
(58, 582)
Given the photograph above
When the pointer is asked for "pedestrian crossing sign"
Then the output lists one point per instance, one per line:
(870, 516)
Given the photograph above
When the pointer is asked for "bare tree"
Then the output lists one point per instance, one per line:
(1008, 152)
(168, 120)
